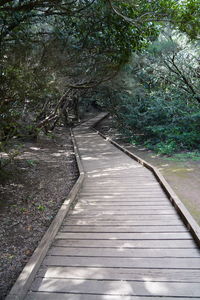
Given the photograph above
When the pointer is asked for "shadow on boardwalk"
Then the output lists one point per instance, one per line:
(123, 240)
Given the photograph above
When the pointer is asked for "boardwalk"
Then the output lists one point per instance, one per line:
(123, 240)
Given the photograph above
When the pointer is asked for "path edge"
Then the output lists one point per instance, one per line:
(185, 215)
(26, 277)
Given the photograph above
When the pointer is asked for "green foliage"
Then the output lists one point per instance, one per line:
(158, 104)
(166, 148)
(164, 126)
(195, 156)
(183, 14)
(31, 162)
(55, 53)
(41, 207)
(188, 18)
(42, 54)
(7, 156)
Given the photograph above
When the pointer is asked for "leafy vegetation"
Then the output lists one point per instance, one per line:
(55, 55)
(194, 156)
(159, 103)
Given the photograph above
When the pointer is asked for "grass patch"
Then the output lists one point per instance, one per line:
(195, 156)
(32, 162)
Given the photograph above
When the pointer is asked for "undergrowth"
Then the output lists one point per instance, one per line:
(164, 127)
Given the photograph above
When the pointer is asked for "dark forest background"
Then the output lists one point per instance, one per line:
(138, 60)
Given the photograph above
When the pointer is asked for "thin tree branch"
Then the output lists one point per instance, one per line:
(127, 19)
(138, 19)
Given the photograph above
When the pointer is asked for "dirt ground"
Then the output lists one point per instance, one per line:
(183, 175)
(35, 186)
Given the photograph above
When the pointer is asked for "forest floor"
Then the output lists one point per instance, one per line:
(31, 192)
(181, 172)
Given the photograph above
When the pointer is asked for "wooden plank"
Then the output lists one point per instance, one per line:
(119, 196)
(126, 181)
(123, 181)
(125, 211)
(124, 185)
(120, 183)
(118, 287)
(107, 171)
(121, 274)
(111, 166)
(124, 236)
(128, 196)
(150, 212)
(170, 243)
(110, 203)
(122, 189)
(111, 180)
(117, 217)
(122, 196)
(115, 262)
(125, 199)
(109, 184)
(129, 188)
(129, 181)
(121, 206)
(111, 169)
(115, 207)
(123, 193)
(132, 222)
(126, 177)
(77, 296)
(120, 252)
(124, 229)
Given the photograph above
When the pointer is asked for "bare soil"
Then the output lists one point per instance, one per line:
(31, 192)
(183, 176)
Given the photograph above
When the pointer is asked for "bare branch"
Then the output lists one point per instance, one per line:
(127, 19)
(140, 18)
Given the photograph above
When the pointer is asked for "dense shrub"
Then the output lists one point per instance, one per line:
(156, 98)
(164, 126)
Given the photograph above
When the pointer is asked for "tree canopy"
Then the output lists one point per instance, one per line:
(53, 53)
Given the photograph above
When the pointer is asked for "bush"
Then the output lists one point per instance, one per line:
(164, 126)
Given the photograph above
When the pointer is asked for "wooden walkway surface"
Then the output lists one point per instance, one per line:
(123, 240)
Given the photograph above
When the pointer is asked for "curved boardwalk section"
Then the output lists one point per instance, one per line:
(123, 240)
